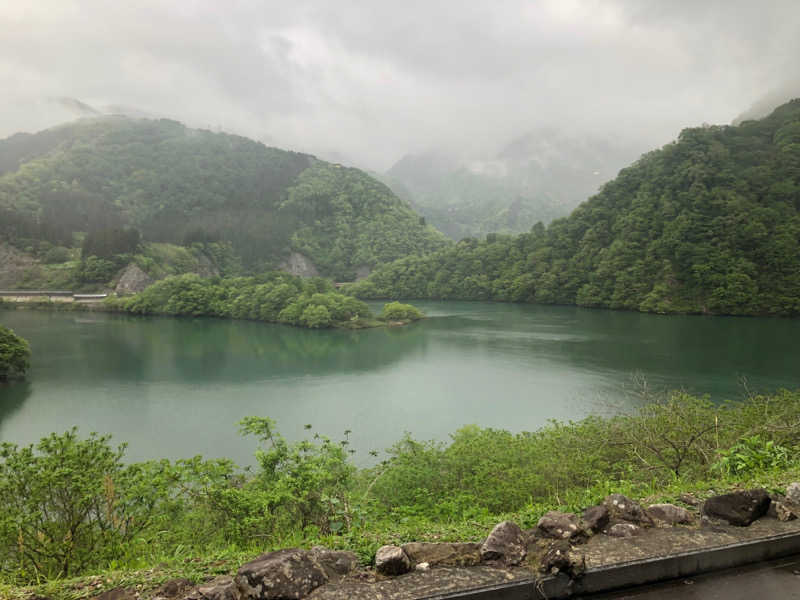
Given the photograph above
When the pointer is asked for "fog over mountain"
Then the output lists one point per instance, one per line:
(374, 81)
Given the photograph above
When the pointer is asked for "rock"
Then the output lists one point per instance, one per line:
(558, 525)
(443, 554)
(423, 566)
(336, 563)
(689, 500)
(284, 574)
(738, 508)
(299, 265)
(622, 507)
(624, 530)
(793, 492)
(221, 588)
(392, 560)
(669, 513)
(506, 542)
(560, 558)
(785, 511)
(132, 281)
(595, 518)
(173, 587)
(116, 594)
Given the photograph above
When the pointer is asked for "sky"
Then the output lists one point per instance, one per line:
(368, 81)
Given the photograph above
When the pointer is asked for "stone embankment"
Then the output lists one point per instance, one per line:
(619, 531)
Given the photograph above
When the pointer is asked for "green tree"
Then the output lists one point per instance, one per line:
(15, 354)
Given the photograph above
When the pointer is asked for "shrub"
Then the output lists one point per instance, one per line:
(395, 311)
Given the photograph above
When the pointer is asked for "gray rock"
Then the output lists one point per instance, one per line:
(336, 563)
(132, 281)
(505, 543)
(595, 518)
(669, 513)
(283, 575)
(622, 507)
(423, 566)
(786, 511)
(443, 554)
(689, 499)
(561, 558)
(624, 530)
(793, 492)
(558, 525)
(392, 560)
(738, 508)
(221, 588)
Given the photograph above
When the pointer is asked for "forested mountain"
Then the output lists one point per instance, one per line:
(709, 224)
(113, 178)
(539, 176)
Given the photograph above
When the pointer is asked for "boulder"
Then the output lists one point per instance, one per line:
(561, 558)
(624, 530)
(786, 511)
(443, 554)
(132, 281)
(285, 574)
(558, 525)
(505, 543)
(336, 563)
(622, 507)
(793, 492)
(669, 514)
(392, 560)
(221, 588)
(738, 508)
(689, 499)
(595, 518)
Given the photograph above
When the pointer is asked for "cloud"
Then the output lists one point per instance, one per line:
(373, 80)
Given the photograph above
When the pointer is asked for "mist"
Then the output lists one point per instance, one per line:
(369, 82)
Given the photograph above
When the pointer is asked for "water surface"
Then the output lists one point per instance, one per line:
(176, 387)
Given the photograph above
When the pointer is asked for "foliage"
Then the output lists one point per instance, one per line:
(69, 504)
(113, 177)
(275, 297)
(15, 354)
(83, 509)
(707, 224)
(752, 455)
(395, 311)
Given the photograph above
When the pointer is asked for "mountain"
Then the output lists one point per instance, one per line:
(102, 178)
(707, 224)
(539, 176)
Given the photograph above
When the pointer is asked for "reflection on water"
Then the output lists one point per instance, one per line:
(177, 387)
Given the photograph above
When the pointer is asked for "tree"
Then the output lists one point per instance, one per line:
(14, 354)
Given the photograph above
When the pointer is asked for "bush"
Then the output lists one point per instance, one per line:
(395, 311)
(69, 504)
(15, 354)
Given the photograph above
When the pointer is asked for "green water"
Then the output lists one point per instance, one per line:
(176, 388)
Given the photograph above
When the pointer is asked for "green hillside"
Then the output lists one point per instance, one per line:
(102, 178)
(707, 224)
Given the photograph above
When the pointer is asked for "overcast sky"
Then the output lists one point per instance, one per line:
(372, 80)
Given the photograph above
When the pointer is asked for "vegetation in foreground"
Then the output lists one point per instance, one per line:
(15, 354)
(275, 297)
(708, 224)
(73, 507)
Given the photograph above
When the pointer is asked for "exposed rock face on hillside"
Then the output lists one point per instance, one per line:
(13, 264)
(299, 265)
(132, 281)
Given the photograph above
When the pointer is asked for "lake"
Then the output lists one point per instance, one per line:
(177, 387)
